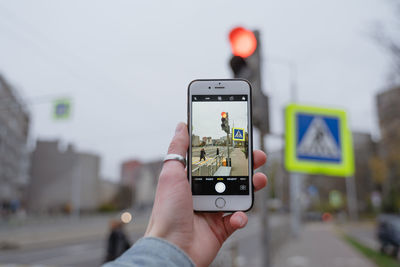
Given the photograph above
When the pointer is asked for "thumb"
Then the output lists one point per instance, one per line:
(234, 221)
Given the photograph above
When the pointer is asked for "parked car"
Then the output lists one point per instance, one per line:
(312, 216)
(388, 233)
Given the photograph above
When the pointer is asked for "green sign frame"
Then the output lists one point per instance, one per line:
(345, 168)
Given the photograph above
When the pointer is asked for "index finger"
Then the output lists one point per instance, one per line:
(179, 144)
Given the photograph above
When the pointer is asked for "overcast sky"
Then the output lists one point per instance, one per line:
(207, 117)
(127, 64)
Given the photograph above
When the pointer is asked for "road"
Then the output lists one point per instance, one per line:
(84, 253)
(64, 242)
(243, 248)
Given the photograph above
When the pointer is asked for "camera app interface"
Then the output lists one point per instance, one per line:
(220, 141)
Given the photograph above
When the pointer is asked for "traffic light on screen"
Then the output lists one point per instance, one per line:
(225, 122)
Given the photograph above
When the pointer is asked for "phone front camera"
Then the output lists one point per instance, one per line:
(209, 87)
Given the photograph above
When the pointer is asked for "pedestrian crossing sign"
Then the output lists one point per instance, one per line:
(62, 108)
(238, 134)
(318, 141)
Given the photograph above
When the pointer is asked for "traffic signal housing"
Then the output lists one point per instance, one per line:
(225, 122)
(246, 64)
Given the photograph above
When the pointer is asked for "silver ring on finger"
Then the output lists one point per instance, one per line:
(175, 157)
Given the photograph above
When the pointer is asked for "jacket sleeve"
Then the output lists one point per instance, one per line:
(151, 251)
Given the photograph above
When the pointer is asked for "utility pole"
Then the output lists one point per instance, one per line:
(225, 127)
(351, 197)
(295, 178)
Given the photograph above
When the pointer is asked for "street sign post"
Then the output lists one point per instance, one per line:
(318, 141)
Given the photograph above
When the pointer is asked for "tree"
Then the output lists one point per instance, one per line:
(389, 38)
(379, 170)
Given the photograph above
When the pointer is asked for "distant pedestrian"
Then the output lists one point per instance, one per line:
(217, 151)
(202, 154)
(117, 242)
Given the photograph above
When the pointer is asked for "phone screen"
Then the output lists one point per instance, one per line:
(220, 145)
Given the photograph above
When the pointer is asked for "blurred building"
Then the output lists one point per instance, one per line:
(365, 149)
(389, 116)
(209, 141)
(14, 156)
(195, 140)
(108, 191)
(63, 179)
(142, 177)
(389, 123)
(129, 172)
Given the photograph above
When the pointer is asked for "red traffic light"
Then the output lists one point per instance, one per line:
(243, 42)
(223, 115)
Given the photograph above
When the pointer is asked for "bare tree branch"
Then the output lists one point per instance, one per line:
(391, 42)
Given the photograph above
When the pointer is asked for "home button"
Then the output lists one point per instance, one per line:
(220, 202)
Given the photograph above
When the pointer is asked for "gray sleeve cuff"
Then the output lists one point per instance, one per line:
(152, 251)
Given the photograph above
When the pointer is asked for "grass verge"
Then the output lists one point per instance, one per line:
(378, 258)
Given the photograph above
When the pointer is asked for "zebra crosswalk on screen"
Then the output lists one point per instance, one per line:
(220, 145)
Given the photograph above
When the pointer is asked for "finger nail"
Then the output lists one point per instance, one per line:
(241, 221)
(179, 127)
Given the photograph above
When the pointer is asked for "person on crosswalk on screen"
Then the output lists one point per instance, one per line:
(202, 154)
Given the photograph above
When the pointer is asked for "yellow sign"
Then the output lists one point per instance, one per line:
(318, 141)
(238, 134)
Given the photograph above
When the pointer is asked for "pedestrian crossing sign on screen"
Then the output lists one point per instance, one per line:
(238, 134)
(318, 141)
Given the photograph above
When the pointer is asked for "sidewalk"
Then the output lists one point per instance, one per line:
(239, 162)
(244, 248)
(319, 245)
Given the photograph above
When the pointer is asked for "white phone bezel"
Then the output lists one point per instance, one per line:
(222, 87)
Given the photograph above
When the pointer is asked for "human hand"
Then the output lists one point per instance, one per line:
(200, 235)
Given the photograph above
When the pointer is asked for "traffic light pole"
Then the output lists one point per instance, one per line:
(248, 66)
(228, 160)
(261, 115)
(264, 216)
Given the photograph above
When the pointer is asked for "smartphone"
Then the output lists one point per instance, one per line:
(220, 156)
